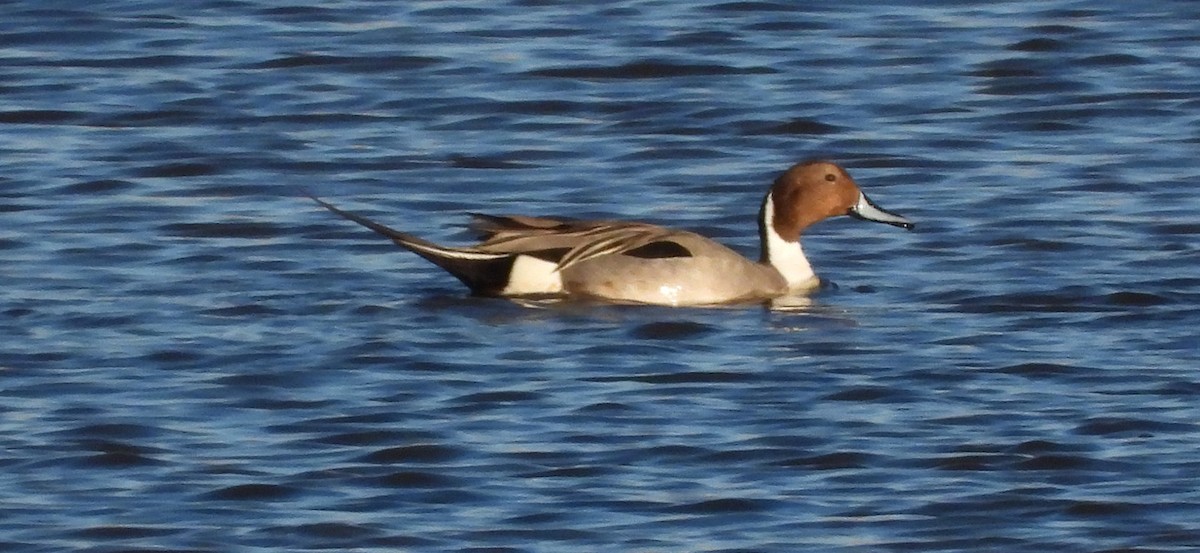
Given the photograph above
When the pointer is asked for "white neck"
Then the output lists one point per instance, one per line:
(786, 256)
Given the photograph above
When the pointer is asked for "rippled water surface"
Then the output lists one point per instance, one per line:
(196, 357)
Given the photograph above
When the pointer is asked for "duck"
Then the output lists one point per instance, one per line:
(630, 262)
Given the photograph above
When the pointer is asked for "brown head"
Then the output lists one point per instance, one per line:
(811, 191)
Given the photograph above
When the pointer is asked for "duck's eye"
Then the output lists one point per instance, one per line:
(830, 177)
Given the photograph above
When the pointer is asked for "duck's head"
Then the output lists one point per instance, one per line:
(812, 191)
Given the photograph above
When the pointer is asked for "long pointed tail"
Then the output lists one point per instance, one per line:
(482, 272)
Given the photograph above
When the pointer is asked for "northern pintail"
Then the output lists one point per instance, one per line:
(632, 262)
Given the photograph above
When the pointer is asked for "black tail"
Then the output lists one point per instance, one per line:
(483, 272)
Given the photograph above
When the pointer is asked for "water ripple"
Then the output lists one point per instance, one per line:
(199, 359)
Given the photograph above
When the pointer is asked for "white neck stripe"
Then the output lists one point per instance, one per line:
(786, 256)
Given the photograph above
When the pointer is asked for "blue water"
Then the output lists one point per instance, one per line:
(194, 357)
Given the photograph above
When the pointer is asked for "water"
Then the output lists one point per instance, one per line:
(197, 358)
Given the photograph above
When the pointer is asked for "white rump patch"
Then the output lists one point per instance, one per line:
(530, 275)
